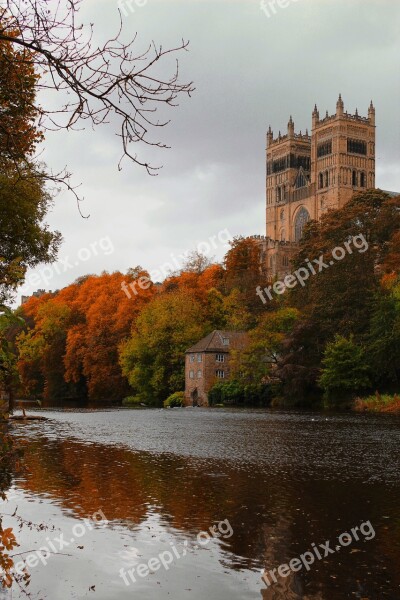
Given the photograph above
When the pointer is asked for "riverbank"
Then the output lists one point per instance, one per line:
(384, 403)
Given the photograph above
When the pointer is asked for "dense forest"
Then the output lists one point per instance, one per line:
(335, 337)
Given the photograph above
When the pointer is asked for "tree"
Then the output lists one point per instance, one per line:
(244, 272)
(25, 239)
(103, 317)
(340, 295)
(114, 81)
(345, 370)
(8, 361)
(259, 360)
(19, 134)
(153, 358)
(383, 337)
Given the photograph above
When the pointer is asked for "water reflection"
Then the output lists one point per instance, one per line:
(274, 517)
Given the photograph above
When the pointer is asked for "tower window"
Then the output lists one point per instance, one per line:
(357, 147)
(354, 179)
(326, 178)
(321, 181)
(302, 218)
(363, 180)
(324, 149)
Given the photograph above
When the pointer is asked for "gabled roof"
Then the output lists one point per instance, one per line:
(214, 341)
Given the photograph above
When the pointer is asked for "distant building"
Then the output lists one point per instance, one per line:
(307, 175)
(36, 294)
(208, 362)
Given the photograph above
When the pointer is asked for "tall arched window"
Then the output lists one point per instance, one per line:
(302, 217)
(321, 181)
(354, 179)
(363, 180)
(326, 178)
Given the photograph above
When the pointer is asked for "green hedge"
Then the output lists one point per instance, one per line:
(234, 393)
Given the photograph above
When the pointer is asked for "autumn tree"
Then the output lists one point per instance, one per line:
(103, 317)
(244, 272)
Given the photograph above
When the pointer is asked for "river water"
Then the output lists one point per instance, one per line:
(263, 487)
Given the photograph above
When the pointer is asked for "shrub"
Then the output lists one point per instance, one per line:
(132, 401)
(378, 403)
(235, 393)
(174, 400)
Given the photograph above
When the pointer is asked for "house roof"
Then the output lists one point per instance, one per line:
(214, 341)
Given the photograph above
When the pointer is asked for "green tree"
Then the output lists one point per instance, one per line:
(345, 370)
(153, 358)
(25, 239)
(339, 297)
(383, 339)
(260, 359)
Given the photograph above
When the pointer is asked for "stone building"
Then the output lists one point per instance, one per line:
(208, 362)
(310, 174)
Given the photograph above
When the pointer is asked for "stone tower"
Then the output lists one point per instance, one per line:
(308, 175)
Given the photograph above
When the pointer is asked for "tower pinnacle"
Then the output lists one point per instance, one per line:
(339, 106)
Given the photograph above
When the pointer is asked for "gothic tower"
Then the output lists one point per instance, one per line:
(308, 175)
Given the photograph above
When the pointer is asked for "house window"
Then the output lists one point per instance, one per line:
(220, 374)
(199, 358)
(191, 374)
(220, 357)
(225, 341)
(192, 358)
(199, 374)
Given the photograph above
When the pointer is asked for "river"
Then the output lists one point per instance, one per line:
(195, 503)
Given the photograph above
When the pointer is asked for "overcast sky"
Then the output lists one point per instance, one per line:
(249, 70)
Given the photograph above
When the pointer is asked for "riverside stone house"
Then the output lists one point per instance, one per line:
(208, 362)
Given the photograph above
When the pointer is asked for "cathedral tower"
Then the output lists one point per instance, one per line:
(308, 175)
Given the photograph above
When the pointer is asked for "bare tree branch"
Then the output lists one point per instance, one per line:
(110, 81)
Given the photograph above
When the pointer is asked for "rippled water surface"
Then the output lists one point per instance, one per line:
(275, 482)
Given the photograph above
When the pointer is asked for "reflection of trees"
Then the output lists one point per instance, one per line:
(5, 472)
(275, 517)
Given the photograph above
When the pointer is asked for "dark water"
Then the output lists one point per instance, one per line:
(271, 483)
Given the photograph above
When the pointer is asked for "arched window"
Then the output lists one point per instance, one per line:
(354, 179)
(363, 180)
(321, 181)
(282, 235)
(326, 178)
(302, 217)
(282, 215)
